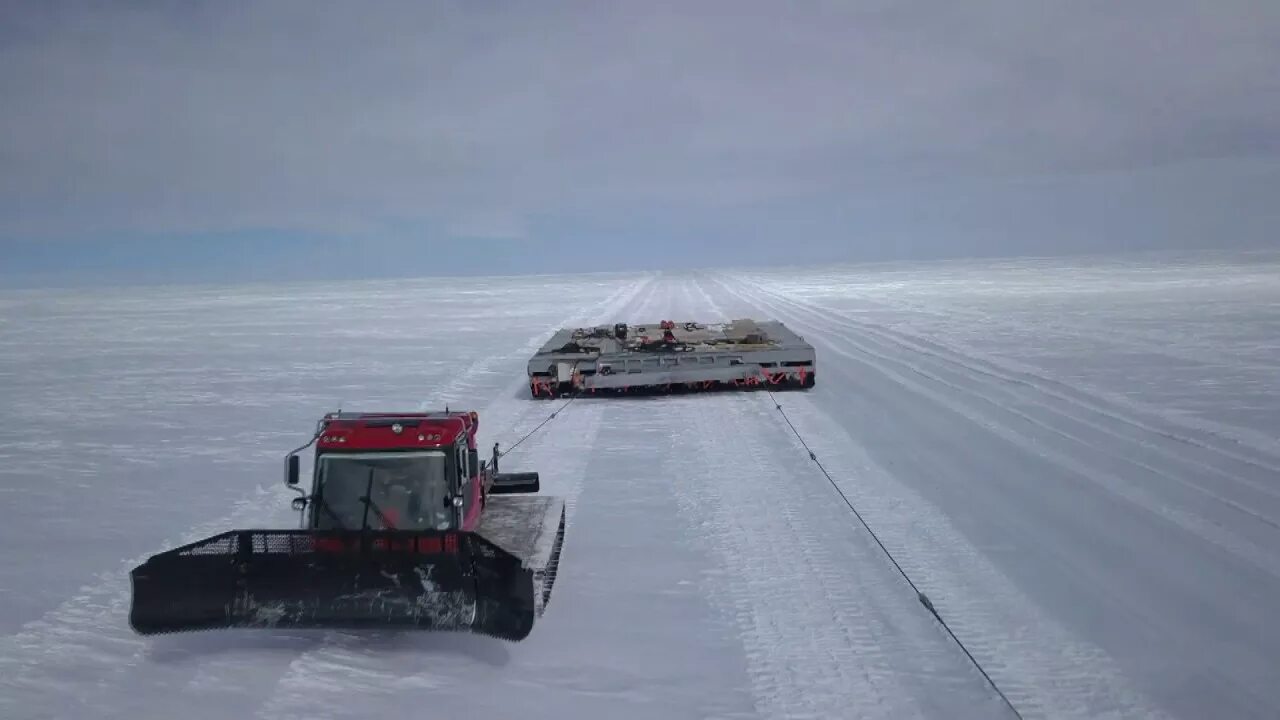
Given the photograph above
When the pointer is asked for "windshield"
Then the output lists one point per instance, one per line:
(408, 491)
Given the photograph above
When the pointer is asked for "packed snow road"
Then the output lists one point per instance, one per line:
(1099, 555)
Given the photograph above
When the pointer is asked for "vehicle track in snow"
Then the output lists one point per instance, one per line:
(1258, 463)
(83, 654)
(1068, 325)
(828, 627)
(1136, 570)
(631, 636)
(1124, 455)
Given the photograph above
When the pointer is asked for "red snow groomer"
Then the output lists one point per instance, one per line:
(404, 527)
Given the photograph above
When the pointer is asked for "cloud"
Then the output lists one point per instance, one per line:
(487, 118)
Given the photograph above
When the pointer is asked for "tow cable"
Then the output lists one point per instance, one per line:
(920, 596)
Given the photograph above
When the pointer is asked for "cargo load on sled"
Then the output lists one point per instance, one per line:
(669, 356)
(404, 527)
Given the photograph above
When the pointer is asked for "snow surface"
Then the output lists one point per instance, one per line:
(1077, 462)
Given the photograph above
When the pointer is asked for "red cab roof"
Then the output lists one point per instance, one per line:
(394, 431)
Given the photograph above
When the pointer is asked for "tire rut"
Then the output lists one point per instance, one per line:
(1082, 465)
(826, 623)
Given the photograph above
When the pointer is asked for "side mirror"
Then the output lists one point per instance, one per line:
(299, 504)
(291, 470)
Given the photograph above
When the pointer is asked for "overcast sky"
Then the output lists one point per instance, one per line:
(218, 140)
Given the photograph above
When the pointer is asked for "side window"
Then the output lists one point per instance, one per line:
(464, 476)
(464, 472)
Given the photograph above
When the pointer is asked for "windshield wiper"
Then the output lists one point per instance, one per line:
(369, 504)
(325, 506)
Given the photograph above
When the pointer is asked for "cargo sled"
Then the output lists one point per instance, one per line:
(671, 357)
(403, 528)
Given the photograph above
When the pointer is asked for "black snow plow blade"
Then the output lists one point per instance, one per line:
(396, 579)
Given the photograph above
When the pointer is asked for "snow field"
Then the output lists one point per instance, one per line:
(1077, 462)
